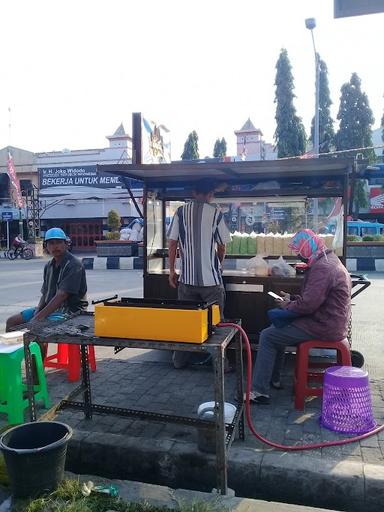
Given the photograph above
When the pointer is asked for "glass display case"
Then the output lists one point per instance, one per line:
(259, 227)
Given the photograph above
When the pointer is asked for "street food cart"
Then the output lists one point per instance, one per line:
(264, 204)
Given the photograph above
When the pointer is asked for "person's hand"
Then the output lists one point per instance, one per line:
(173, 279)
(285, 296)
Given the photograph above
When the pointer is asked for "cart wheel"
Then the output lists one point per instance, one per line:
(357, 359)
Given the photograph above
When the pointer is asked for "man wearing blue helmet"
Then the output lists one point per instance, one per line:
(64, 288)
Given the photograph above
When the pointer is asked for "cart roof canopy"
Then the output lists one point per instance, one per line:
(190, 171)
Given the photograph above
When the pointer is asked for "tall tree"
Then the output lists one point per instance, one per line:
(356, 119)
(326, 131)
(220, 148)
(191, 147)
(290, 135)
(223, 147)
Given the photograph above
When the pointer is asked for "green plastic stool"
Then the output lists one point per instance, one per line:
(12, 389)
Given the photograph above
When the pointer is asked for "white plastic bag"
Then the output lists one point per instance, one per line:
(257, 266)
(125, 233)
(281, 268)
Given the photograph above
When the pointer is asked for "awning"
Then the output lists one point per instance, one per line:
(231, 171)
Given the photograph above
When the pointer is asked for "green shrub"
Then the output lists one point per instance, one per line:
(353, 238)
(112, 235)
(113, 220)
(368, 238)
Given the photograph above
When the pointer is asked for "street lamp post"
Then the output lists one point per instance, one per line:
(310, 24)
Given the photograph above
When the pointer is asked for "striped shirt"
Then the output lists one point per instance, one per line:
(198, 226)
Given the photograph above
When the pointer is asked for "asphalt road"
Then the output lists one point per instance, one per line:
(20, 283)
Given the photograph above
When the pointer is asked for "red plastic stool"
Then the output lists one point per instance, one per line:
(305, 369)
(68, 358)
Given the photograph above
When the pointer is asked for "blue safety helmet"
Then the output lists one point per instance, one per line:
(55, 234)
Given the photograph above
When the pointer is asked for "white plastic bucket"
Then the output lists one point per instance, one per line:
(206, 438)
(206, 411)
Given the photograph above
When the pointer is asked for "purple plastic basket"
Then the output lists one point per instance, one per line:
(347, 403)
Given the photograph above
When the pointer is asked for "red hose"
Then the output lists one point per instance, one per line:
(248, 408)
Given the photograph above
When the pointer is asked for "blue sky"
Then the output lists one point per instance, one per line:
(73, 70)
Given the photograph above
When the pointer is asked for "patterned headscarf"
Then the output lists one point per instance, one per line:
(307, 244)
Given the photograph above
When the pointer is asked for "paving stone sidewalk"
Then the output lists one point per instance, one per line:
(147, 380)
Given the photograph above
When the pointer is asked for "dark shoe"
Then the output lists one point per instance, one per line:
(276, 385)
(259, 400)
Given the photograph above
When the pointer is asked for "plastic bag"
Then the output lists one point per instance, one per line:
(281, 268)
(244, 244)
(125, 233)
(229, 247)
(252, 244)
(260, 243)
(236, 237)
(269, 244)
(257, 266)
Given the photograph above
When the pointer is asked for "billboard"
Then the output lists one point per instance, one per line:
(345, 8)
(81, 179)
(376, 200)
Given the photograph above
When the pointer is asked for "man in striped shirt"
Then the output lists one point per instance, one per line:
(199, 231)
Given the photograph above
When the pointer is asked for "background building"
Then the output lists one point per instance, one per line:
(251, 146)
(74, 196)
(26, 170)
(63, 188)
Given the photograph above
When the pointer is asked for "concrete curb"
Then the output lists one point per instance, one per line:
(136, 263)
(276, 476)
(166, 497)
(368, 264)
(113, 263)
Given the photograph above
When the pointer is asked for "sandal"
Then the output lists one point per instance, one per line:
(259, 400)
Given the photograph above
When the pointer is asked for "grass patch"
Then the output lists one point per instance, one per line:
(68, 498)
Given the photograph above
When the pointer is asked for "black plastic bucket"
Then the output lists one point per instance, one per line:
(35, 454)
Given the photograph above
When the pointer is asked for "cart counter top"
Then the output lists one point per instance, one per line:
(80, 330)
(232, 273)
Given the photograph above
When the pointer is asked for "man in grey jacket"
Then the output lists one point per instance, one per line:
(322, 312)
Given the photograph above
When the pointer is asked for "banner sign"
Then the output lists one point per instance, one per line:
(376, 200)
(14, 183)
(74, 179)
(86, 176)
(156, 143)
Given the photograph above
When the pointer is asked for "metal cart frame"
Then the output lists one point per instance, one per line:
(79, 330)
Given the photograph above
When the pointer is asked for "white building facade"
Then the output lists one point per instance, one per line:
(75, 196)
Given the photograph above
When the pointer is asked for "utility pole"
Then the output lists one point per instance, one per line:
(33, 214)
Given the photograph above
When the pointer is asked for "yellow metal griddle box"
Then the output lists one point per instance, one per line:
(156, 319)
